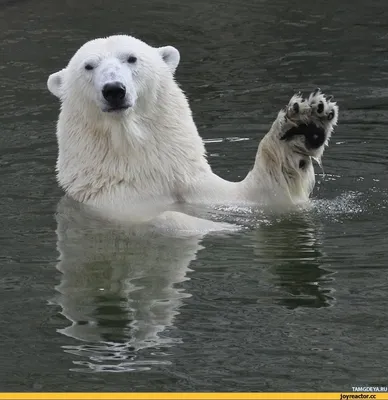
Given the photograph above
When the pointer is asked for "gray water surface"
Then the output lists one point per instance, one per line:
(296, 303)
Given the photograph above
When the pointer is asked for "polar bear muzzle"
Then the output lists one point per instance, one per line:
(114, 94)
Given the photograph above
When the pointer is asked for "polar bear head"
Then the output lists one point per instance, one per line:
(115, 74)
(125, 129)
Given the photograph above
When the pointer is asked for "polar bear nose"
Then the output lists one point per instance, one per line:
(113, 92)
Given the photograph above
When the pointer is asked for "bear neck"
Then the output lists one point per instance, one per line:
(154, 149)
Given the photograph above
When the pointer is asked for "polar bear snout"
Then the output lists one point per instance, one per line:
(116, 97)
(113, 80)
(114, 93)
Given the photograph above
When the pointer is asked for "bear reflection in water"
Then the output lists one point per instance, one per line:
(120, 288)
(291, 250)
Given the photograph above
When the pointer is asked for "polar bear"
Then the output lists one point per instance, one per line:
(127, 138)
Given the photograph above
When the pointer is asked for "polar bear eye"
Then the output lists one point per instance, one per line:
(131, 59)
(89, 67)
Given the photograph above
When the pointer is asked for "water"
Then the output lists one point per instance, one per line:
(297, 303)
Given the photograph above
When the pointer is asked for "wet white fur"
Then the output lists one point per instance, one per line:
(152, 154)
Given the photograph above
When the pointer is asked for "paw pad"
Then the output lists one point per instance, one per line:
(313, 117)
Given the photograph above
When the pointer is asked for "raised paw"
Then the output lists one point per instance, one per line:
(307, 124)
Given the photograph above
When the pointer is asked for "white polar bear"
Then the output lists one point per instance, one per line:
(127, 138)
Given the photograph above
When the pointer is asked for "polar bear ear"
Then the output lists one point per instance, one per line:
(170, 56)
(54, 83)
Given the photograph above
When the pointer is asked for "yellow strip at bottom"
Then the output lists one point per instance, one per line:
(194, 396)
